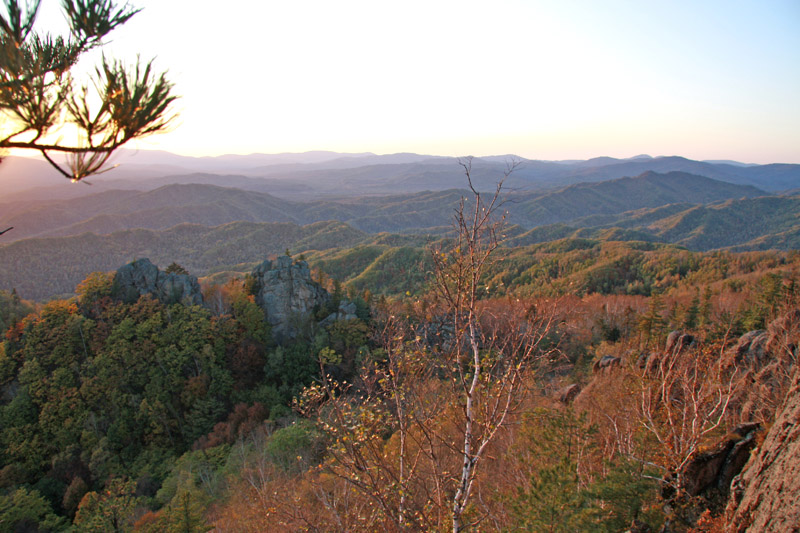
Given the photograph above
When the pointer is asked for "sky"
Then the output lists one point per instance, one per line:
(560, 79)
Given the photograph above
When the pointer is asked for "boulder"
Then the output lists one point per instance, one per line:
(568, 393)
(346, 311)
(644, 359)
(607, 362)
(751, 347)
(142, 277)
(679, 341)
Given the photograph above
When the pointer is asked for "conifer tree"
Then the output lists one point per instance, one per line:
(692, 312)
(652, 323)
(41, 99)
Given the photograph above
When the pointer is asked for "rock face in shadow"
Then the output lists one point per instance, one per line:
(292, 300)
(705, 481)
(766, 496)
(143, 277)
(713, 470)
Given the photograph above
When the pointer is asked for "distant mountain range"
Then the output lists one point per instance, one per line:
(211, 221)
(329, 174)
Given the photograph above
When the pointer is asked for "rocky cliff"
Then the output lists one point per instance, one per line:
(766, 496)
(291, 299)
(143, 277)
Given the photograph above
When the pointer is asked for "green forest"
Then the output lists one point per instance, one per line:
(144, 415)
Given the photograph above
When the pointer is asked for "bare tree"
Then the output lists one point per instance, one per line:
(490, 353)
(447, 384)
(685, 396)
(401, 478)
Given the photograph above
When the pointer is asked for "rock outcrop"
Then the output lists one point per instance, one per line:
(567, 394)
(678, 341)
(606, 363)
(751, 348)
(143, 277)
(709, 473)
(291, 299)
(766, 496)
(704, 482)
(764, 362)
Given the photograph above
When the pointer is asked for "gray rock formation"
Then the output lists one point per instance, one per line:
(291, 299)
(143, 277)
(751, 348)
(346, 311)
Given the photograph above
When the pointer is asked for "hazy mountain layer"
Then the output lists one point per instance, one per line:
(427, 211)
(42, 268)
(324, 174)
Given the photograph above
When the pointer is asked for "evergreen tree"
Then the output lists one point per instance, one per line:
(175, 268)
(652, 324)
(690, 316)
(705, 308)
(40, 96)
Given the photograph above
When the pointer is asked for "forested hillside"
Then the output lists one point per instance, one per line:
(389, 263)
(370, 381)
(44, 267)
(164, 415)
(199, 337)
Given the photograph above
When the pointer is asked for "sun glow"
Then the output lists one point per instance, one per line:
(543, 79)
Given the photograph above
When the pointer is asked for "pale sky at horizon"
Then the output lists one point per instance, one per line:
(541, 79)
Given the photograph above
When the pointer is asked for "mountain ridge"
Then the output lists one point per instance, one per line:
(213, 205)
(331, 173)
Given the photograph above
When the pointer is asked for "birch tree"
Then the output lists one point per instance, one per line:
(411, 432)
(489, 354)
